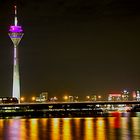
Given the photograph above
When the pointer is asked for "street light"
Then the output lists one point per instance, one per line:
(65, 98)
(88, 98)
(33, 98)
(22, 99)
(99, 97)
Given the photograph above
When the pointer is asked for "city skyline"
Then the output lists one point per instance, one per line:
(72, 47)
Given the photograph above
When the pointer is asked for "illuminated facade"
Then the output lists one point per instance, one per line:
(136, 95)
(16, 34)
(114, 97)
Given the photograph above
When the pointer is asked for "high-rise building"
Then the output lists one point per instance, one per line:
(114, 97)
(16, 34)
(43, 97)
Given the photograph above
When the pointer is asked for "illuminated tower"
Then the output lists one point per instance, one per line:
(16, 34)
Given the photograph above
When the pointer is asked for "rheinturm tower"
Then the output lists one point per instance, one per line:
(16, 34)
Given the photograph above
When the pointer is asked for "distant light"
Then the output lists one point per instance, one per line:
(99, 97)
(88, 97)
(33, 98)
(65, 97)
(134, 96)
(22, 99)
(125, 91)
(55, 98)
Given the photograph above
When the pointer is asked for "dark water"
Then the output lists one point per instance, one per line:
(98, 128)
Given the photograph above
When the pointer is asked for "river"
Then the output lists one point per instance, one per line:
(96, 128)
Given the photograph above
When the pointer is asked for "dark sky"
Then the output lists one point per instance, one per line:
(78, 47)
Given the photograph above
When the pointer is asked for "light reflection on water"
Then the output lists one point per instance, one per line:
(136, 128)
(66, 133)
(34, 129)
(55, 134)
(89, 129)
(98, 128)
(77, 127)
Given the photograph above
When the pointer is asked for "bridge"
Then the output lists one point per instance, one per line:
(61, 109)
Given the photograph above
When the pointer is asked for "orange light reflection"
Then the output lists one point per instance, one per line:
(89, 129)
(1, 128)
(100, 129)
(44, 122)
(55, 135)
(34, 129)
(23, 133)
(111, 128)
(67, 129)
(77, 125)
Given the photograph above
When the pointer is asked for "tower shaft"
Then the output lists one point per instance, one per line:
(16, 78)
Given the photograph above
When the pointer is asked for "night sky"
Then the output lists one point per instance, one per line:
(73, 47)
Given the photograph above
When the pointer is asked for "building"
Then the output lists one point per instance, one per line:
(93, 97)
(43, 97)
(136, 95)
(16, 34)
(73, 99)
(114, 97)
(125, 95)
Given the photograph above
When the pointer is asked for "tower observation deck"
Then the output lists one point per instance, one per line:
(16, 34)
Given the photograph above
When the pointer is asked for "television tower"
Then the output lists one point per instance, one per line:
(16, 34)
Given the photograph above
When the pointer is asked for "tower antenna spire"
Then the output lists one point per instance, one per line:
(15, 19)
